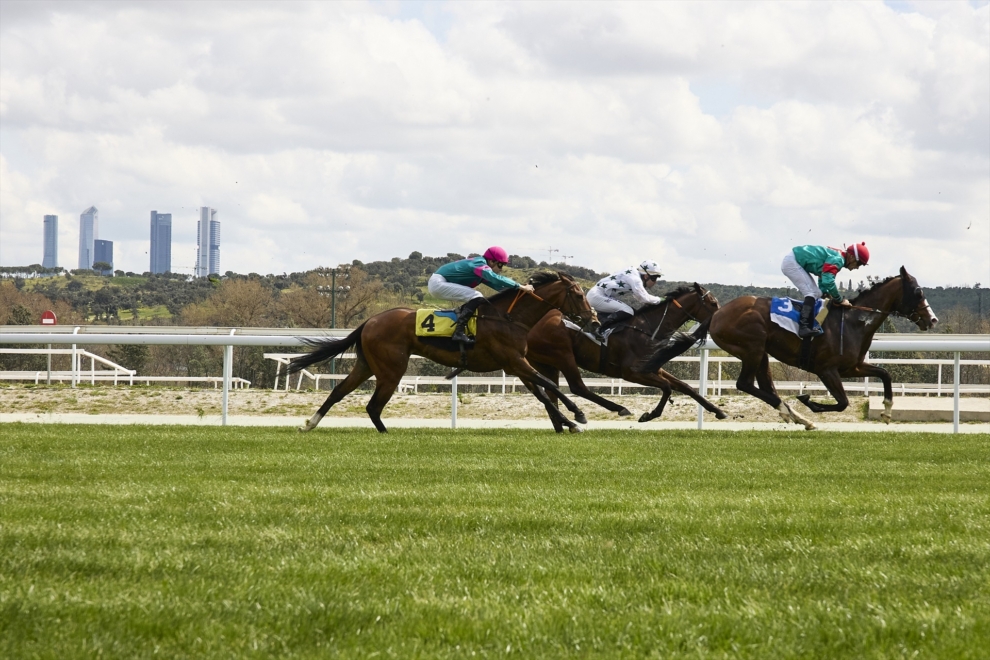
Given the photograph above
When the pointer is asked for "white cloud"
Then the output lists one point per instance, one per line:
(326, 132)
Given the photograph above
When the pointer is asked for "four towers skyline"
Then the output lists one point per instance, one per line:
(93, 250)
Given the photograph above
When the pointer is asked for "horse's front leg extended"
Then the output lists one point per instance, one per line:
(833, 383)
(550, 386)
(867, 370)
(679, 385)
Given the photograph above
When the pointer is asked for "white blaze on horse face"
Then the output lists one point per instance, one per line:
(932, 319)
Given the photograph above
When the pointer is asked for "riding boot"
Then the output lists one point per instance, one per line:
(806, 321)
(608, 320)
(463, 316)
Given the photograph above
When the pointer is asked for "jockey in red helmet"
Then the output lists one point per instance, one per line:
(824, 262)
(457, 281)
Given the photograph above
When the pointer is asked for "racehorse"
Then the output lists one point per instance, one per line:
(555, 349)
(385, 342)
(744, 329)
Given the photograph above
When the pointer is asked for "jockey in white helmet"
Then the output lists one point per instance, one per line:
(617, 296)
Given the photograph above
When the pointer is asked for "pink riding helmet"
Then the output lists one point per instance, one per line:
(495, 253)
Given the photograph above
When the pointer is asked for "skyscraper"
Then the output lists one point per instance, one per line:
(103, 251)
(88, 231)
(51, 242)
(207, 242)
(161, 242)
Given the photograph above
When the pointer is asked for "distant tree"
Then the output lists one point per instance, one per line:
(235, 302)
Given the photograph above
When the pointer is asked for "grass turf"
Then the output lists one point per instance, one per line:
(204, 542)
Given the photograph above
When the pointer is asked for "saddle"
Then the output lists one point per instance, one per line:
(441, 323)
(786, 313)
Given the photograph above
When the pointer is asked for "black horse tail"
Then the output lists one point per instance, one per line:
(678, 343)
(324, 349)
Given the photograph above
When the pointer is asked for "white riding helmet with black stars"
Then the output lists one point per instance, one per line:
(650, 268)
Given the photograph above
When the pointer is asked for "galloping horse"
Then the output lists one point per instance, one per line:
(555, 349)
(385, 342)
(744, 329)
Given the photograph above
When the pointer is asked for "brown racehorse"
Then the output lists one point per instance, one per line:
(555, 349)
(385, 342)
(744, 329)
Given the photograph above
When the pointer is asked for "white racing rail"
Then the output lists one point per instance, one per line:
(294, 338)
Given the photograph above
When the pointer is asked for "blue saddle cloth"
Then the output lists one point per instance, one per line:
(786, 312)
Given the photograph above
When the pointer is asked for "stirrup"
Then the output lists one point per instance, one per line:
(462, 338)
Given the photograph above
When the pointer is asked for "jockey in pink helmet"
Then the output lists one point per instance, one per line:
(824, 262)
(457, 281)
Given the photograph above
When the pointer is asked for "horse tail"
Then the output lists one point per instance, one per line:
(678, 343)
(324, 349)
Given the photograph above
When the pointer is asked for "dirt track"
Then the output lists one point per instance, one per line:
(159, 401)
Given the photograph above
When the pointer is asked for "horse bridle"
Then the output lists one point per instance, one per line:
(680, 307)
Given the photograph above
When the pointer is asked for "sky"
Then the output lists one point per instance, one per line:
(711, 137)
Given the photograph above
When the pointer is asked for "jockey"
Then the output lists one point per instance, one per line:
(457, 281)
(825, 262)
(616, 296)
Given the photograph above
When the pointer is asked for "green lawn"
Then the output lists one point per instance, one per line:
(125, 542)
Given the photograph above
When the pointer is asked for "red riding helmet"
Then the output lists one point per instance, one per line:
(495, 253)
(859, 252)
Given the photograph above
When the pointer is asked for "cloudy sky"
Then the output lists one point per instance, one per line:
(709, 136)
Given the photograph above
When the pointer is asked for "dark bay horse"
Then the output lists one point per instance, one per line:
(385, 342)
(555, 349)
(744, 329)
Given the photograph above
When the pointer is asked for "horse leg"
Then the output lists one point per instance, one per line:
(536, 383)
(383, 393)
(551, 387)
(833, 383)
(752, 370)
(868, 370)
(787, 413)
(664, 397)
(550, 373)
(679, 385)
(360, 373)
(574, 381)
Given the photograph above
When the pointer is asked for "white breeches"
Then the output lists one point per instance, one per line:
(804, 282)
(602, 302)
(438, 286)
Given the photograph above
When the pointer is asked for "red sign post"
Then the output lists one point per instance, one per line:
(48, 318)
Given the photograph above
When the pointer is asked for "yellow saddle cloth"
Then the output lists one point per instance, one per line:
(441, 323)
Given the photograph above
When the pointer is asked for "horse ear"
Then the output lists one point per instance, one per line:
(904, 272)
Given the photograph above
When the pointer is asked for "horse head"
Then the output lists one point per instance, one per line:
(902, 296)
(913, 305)
(564, 293)
(708, 303)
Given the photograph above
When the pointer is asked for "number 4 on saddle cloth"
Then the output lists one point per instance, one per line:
(441, 323)
(786, 312)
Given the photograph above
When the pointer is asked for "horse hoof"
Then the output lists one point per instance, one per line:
(721, 415)
(625, 413)
(580, 418)
(886, 418)
(645, 417)
(576, 429)
(810, 427)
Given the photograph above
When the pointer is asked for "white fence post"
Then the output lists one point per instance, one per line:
(228, 358)
(702, 385)
(75, 360)
(453, 402)
(955, 395)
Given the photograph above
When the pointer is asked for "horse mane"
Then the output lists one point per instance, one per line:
(877, 285)
(670, 295)
(679, 291)
(536, 279)
(542, 277)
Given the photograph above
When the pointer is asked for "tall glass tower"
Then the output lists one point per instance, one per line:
(51, 242)
(161, 242)
(207, 242)
(88, 232)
